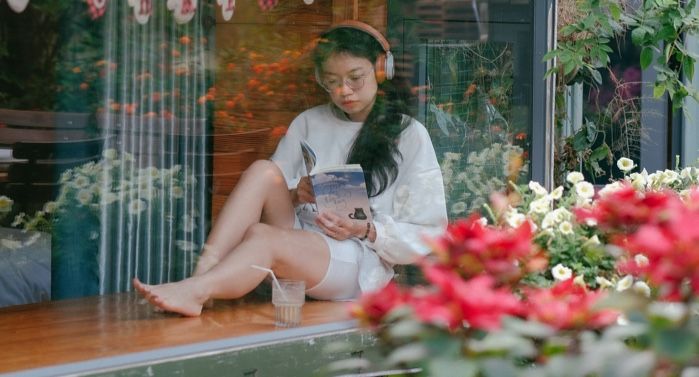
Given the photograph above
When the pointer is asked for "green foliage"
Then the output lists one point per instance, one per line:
(658, 29)
(584, 45)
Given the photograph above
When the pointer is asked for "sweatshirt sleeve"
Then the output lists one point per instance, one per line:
(417, 205)
(288, 153)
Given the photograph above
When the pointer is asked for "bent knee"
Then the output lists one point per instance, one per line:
(267, 170)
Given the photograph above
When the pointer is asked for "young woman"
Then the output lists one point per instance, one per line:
(266, 221)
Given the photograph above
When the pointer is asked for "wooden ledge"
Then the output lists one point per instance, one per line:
(108, 332)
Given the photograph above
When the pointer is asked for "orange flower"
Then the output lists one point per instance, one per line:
(185, 40)
(201, 100)
(249, 115)
(115, 106)
(230, 104)
(175, 53)
(470, 90)
(278, 131)
(230, 67)
(84, 86)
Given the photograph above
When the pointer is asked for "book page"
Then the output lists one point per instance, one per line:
(309, 157)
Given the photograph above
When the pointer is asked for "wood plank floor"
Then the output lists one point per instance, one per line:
(68, 331)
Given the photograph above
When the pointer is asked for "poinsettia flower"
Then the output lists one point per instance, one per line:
(567, 305)
(373, 306)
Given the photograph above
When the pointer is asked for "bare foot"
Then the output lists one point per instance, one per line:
(181, 297)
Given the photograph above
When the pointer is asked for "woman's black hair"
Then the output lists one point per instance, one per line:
(376, 145)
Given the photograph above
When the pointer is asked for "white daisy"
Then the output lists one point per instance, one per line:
(561, 272)
(566, 228)
(537, 189)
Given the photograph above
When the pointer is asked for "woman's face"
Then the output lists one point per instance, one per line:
(352, 85)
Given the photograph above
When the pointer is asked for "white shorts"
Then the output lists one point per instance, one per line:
(341, 280)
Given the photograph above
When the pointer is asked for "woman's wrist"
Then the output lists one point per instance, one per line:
(364, 232)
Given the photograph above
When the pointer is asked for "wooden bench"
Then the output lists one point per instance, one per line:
(121, 335)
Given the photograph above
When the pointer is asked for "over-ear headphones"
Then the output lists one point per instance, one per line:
(383, 66)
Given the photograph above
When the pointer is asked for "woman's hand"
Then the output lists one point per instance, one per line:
(304, 192)
(338, 227)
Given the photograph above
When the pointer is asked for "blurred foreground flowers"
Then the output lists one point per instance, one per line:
(573, 282)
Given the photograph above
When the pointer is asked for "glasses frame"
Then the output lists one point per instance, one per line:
(346, 81)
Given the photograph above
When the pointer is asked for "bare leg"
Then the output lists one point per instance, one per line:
(291, 253)
(261, 195)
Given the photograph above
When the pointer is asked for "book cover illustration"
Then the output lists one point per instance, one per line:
(340, 189)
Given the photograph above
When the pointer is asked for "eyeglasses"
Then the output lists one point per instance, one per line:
(354, 81)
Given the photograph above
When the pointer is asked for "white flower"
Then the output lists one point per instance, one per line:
(550, 219)
(610, 188)
(673, 311)
(592, 241)
(19, 219)
(639, 180)
(109, 154)
(81, 181)
(483, 221)
(641, 260)
(625, 164)
(514, 219)
(186, 245)
(189, 224)
(579, 280)
(5, 204)
(557, 193)
(50, 207)
(84, 196)
(541, 205)
(109, 198)
(137, 206)
(585, 190)
(642, 288)
(458, 207)
(575, 177)
(561, 272)
(625, 283)
(537, 189)
(448, 156)
(669, 177)
(177, 192)
(603, 282)
(565, 227)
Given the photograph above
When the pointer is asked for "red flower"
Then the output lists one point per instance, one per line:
(373, 306)
(475, 301)
(471, 248)
(567, 305)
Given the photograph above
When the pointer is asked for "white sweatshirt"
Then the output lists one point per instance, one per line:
(411, 208)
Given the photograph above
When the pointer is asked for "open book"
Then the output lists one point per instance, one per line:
(340, 189)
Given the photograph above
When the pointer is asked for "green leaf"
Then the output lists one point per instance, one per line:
(637, 35)
(447, 367)
(658, 90)
(646, 57)
(596, 76)
(688, 66)
(677, 344)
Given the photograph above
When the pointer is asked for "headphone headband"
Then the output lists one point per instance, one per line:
(384, 64)
(361, 26)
